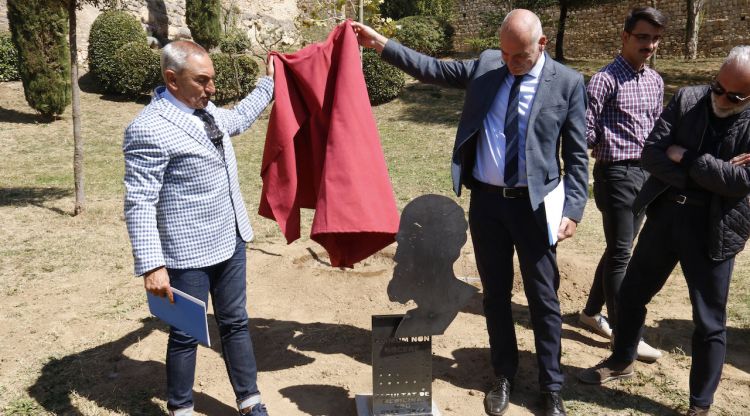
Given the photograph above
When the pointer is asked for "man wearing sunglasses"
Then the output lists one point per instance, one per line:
(625, 99)
(698, 214)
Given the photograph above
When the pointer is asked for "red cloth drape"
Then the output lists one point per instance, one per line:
(323, 151)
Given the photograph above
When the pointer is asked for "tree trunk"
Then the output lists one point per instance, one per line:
(560, 39)
(652, 60)
(80, 203)
(695, 11)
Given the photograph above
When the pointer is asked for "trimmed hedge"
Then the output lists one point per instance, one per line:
(8, 59)
(40, 32)
(384, 82)
(111, 30)
(235, 76)
(426, 35)
(140, 67)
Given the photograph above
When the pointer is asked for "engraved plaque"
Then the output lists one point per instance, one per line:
(401, 370)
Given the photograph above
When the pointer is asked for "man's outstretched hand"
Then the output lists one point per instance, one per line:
(368, 37)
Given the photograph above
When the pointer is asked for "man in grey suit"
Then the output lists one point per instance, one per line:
(186, 217)
(521, 110)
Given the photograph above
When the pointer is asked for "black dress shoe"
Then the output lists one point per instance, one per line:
(553, 404)
(497, 399)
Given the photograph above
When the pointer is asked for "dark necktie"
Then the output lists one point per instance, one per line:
(212, 130)
(511, 135)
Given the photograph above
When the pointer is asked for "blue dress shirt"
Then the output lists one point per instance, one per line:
(490, 161)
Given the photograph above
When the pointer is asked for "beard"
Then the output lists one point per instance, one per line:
(727, 112)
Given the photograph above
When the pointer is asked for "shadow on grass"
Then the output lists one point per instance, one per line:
(90, 85)
(680, 339)
(318, 399)
(106, 376)
(35, 196)
(431, 104)
(8, 115)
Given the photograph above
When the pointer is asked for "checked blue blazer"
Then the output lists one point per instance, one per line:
(182, 201)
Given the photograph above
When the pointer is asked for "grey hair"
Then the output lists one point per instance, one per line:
(175, 54)
(739, 55)
(536, 25)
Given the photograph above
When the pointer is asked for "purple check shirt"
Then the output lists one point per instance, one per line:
(623, 106)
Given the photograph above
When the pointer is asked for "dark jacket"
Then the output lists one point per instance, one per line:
(557, 124)
(684, 123)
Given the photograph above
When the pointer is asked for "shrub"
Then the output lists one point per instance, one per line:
(111, 30)
(8, 59)
(427, 35)
(203, 20)
(235, 76)
(141, 67)
(235, 42)
(398, 9)
(384, 82)
(481, 43)
(39, 30)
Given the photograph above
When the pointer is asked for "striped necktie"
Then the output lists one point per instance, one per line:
(511, 135)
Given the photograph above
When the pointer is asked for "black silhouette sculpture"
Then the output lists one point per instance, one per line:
(430, 237)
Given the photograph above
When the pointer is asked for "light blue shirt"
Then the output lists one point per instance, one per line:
(490, 161)
(182, 107)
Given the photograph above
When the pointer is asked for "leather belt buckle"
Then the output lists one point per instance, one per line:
(680, 199)
(514, 193)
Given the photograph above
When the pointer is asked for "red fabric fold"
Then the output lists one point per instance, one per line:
(323, 151)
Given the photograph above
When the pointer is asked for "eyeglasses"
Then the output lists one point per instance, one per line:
(644, 38)
(733, 97)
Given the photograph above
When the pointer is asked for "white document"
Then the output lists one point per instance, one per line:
(553, 208)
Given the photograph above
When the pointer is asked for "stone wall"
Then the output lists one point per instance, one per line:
(165, 19)
(595, 31)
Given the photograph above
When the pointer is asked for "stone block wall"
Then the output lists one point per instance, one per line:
(165, 19)
(595, 31)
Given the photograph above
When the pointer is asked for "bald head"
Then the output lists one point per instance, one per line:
(522, 40)
(522, 24)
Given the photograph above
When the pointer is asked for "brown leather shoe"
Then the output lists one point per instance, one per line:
(605, 371)
(553, 404)
(498, 398)
(697, 411)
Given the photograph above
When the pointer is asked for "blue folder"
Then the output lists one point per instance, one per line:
(187, 314)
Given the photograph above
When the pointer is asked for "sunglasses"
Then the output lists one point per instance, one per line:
(733, 97)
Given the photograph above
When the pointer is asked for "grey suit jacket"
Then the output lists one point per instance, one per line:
(557, 124)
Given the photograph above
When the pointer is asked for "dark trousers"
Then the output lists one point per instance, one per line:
(678, 233)
(615, 188)
(498, 226)
(226, 283)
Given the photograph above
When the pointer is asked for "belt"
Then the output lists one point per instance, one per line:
(682, 199)
(505, 192)
(628, 162)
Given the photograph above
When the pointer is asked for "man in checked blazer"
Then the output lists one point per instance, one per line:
(186, 217)
(521, 110)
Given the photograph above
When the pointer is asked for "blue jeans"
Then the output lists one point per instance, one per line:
(226, 283)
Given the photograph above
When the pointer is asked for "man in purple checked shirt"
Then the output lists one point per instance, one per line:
(625, 99)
